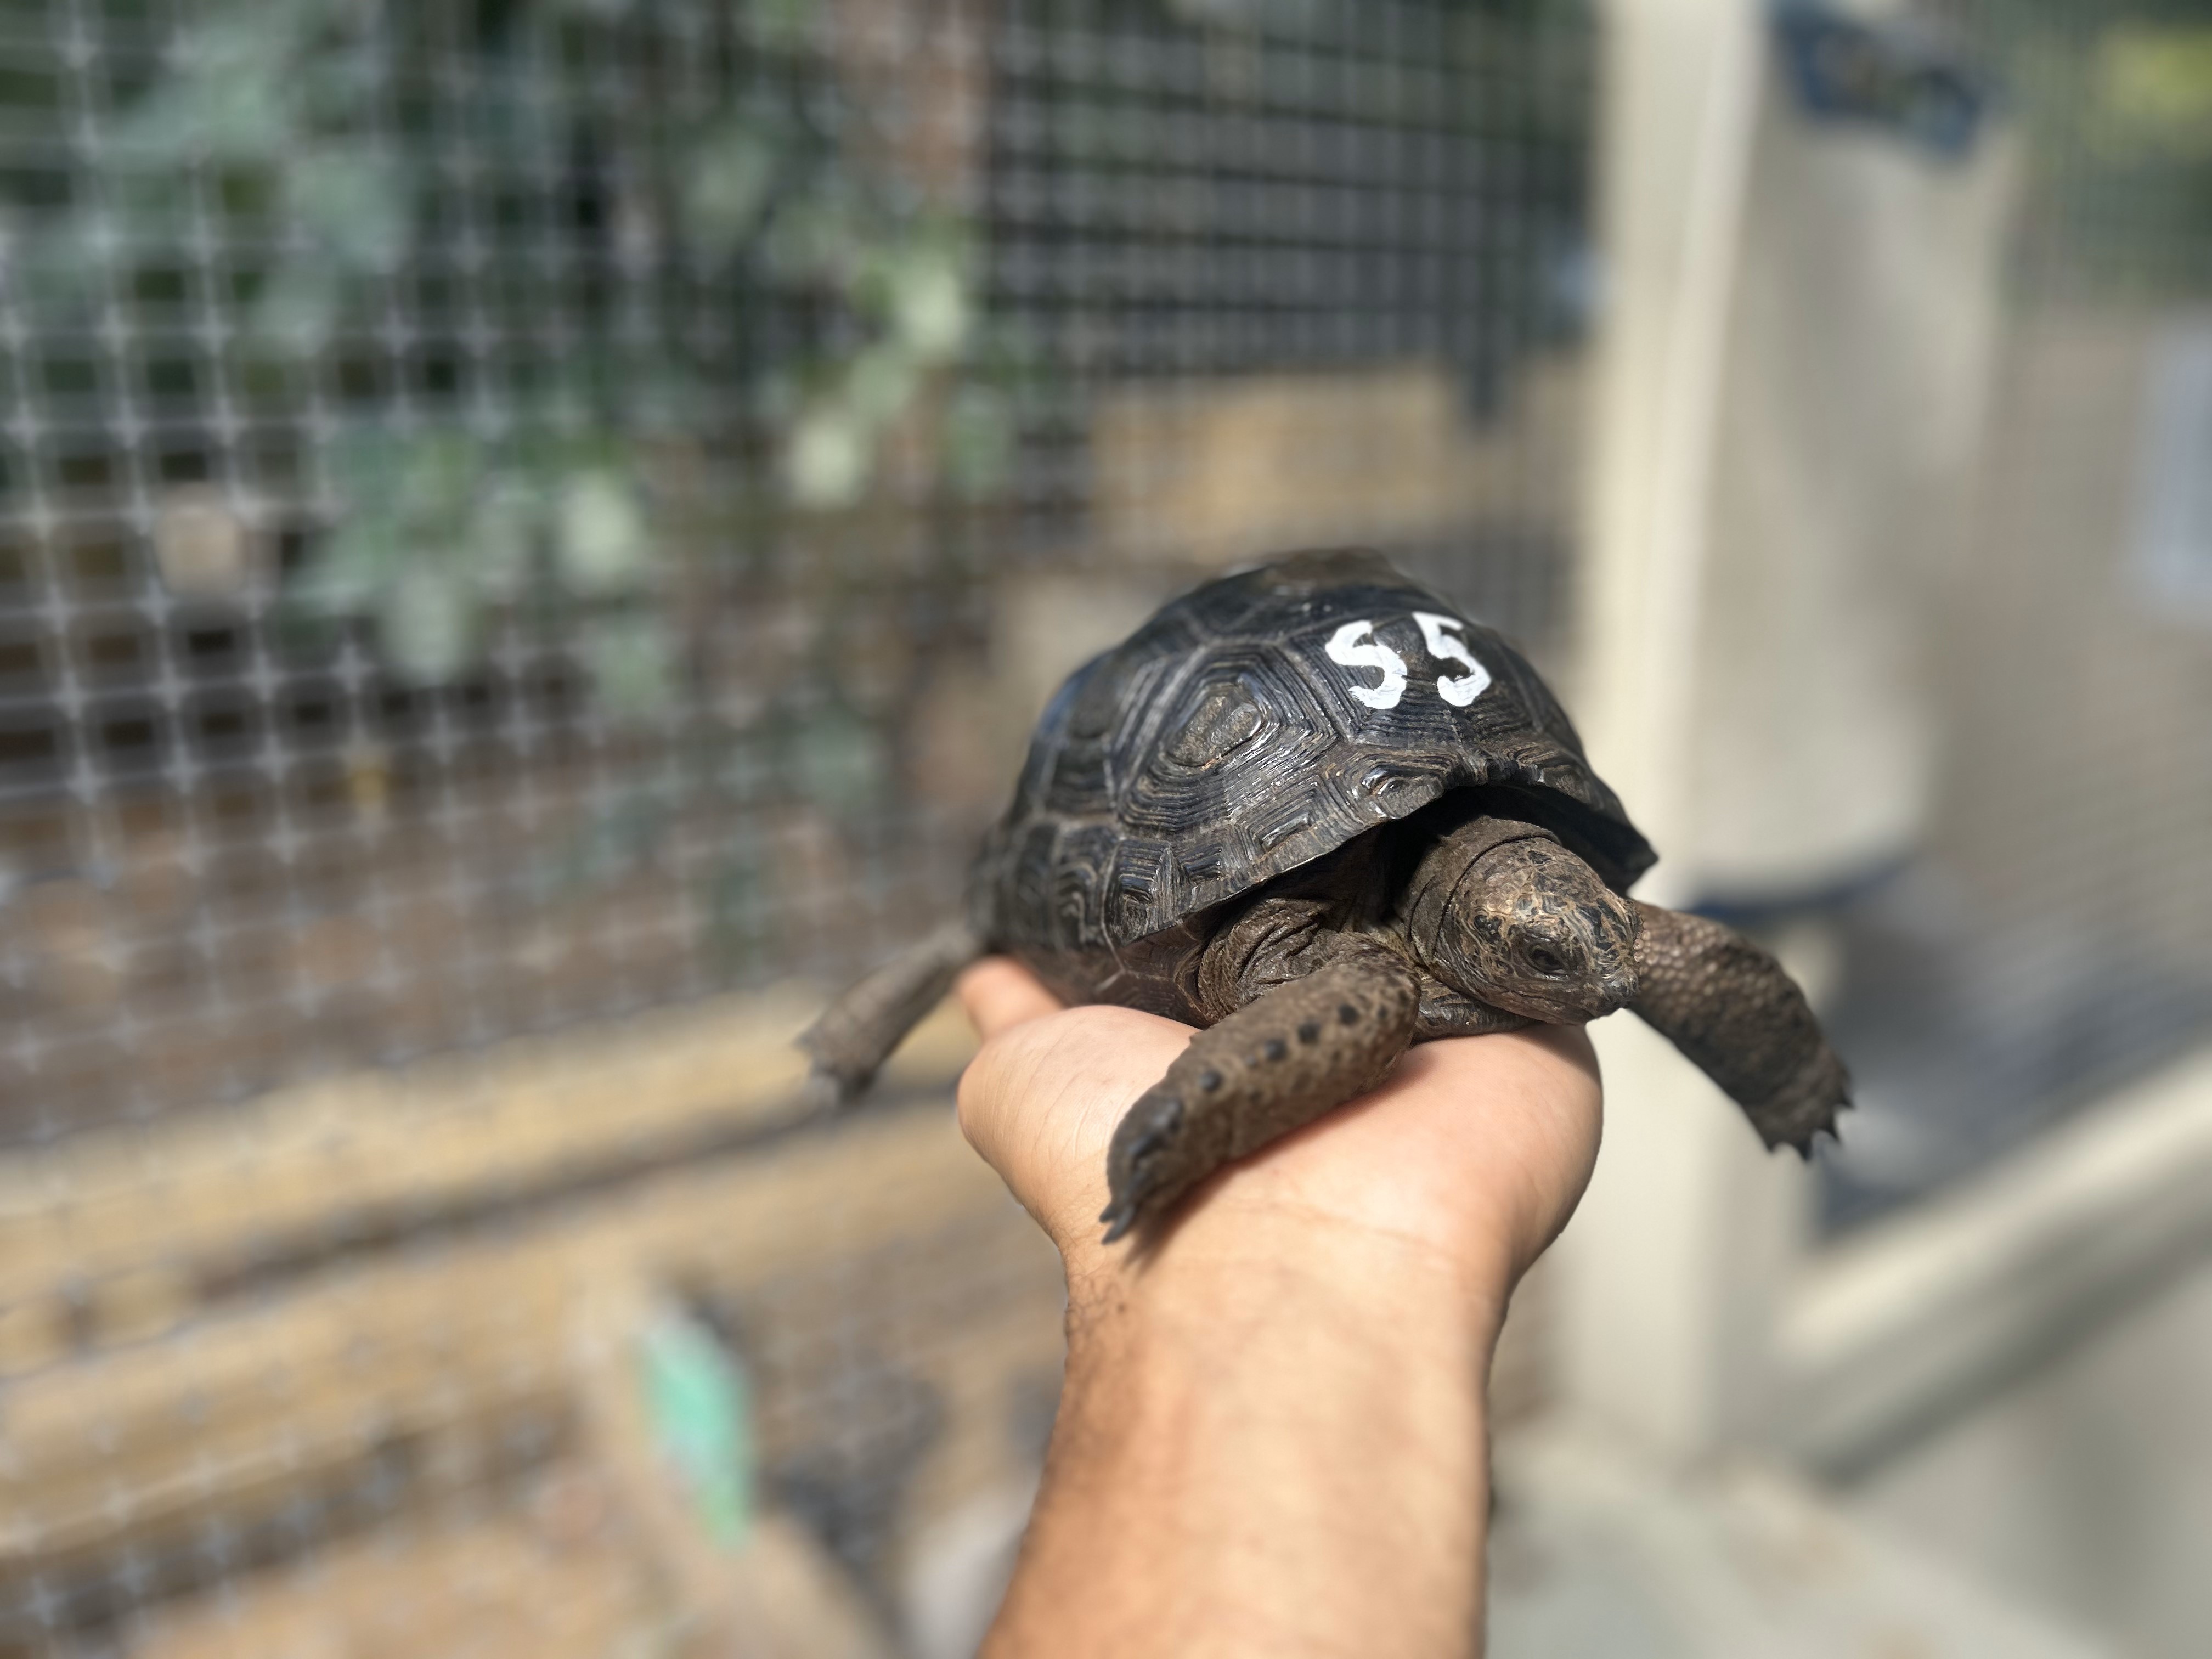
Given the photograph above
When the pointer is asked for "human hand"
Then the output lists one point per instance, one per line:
(1469, 1157)
(1271, 1436)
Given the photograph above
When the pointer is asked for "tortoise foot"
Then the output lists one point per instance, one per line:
(1798, 1114)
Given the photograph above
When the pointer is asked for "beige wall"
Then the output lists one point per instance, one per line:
(2076, 786)
(2088, 1487)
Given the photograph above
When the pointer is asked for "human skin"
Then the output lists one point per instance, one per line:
(1271, 1437)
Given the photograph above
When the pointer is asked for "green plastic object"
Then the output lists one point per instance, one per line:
(699, 1403)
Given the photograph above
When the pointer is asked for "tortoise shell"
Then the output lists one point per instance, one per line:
(1254, 725)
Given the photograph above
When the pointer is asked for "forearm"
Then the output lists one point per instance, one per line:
(1272, 1445)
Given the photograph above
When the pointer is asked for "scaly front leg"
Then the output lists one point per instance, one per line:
(1280, 1061)
(1729, 1006)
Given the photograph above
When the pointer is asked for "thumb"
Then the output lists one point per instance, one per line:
(1000, 993)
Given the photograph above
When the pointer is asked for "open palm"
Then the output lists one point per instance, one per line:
(1475, 1150)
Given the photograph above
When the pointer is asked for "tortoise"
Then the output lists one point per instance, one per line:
(1314, 810)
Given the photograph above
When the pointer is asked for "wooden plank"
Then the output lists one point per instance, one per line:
(1218, 471)
(501, 1587)
(128, 1224)
(121, 1445)
(565, 1576)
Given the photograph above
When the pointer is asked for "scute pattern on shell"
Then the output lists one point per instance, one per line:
(1221, 746)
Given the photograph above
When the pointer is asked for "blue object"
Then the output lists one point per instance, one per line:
(1895, 75)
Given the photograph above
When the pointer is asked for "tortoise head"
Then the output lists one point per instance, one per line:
(1502, 911)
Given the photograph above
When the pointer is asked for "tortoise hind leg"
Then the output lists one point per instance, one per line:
(857, 1033)
(1289, 1055)
(1741, 1020)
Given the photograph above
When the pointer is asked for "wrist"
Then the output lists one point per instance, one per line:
(1222, 1271)
(1267, 1444)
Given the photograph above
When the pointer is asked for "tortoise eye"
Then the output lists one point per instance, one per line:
(1544, 959)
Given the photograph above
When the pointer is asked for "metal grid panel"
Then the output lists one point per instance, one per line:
(277, 796)
(2053, 938)
(534, 514)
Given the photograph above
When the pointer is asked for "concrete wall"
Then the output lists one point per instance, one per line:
(2085, 1487)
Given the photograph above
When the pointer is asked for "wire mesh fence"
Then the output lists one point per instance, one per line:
(508, 507)
(521, 513)
(2051, 939)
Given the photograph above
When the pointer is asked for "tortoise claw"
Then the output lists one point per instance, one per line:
(1804, 1142)
(1135, 1170)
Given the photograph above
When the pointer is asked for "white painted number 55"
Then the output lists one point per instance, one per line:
(1354, 645)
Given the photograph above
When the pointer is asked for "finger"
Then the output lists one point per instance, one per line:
(1000, 993)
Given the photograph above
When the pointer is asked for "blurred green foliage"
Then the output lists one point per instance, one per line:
(2154, 91)
(441, 529)
(356, 164)
(2115, 101)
